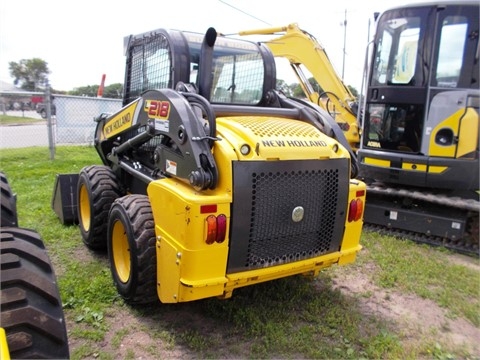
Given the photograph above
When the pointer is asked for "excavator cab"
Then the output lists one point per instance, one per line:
(421, 121)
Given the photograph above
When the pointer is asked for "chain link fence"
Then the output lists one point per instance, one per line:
(70, 120)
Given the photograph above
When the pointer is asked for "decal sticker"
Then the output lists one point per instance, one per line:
(171, 167)
(162, 125)
(393, 215)
(119, 123)
(294, 143)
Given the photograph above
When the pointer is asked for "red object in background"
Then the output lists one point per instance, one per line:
(101, 87)
(36, 99)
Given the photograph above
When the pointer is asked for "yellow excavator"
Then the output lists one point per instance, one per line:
(302, 50)
(420, 136)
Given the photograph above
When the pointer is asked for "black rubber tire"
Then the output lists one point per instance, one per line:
(131, 249)
(97, 189)
(8, 203)
(31, 307)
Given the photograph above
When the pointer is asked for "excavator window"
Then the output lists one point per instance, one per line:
(395, 127)
(452, 41)
(397, 52)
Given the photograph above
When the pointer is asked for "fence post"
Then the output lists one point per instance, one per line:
(48, 105)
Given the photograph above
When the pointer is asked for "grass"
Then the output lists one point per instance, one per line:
(19, 120)
(288, 318)
(412, 268)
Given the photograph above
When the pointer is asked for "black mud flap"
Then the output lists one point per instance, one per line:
(64, 201)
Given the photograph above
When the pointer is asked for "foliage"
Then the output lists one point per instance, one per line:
(113, 91)
(297, 91)
(283, 87)
(31, 74)
(353, 90)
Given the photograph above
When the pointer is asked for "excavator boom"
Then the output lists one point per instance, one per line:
(302, 49)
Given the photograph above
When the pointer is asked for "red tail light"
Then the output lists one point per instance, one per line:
(211, 229)
(355, 210)
(216, 228)
(221, 228)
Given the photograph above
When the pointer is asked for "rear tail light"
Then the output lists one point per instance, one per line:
(216, 228)
(355, 210)
(221, 228)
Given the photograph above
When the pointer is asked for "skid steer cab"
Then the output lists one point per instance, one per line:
(211, 179)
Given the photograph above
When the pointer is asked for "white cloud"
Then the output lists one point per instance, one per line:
(80, 41)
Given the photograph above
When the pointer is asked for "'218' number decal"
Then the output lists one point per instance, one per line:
(156, 108)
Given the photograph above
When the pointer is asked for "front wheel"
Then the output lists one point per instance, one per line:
(131, 249)
(97, 189)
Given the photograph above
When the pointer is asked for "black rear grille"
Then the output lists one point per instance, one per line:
(266, 194)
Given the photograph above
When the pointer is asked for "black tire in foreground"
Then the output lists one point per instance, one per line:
(131, 249)
(97, 190)
(8, 203)
(31, 308)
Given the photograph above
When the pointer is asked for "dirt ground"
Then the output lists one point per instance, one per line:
(414, 319)
(412, 314)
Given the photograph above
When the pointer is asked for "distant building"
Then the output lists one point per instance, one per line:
(14, 98)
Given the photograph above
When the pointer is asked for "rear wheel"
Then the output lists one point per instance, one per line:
(8, 203)
(131, 249)
(31, 308)
(96, 191)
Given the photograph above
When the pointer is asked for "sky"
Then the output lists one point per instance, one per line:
(81, 41)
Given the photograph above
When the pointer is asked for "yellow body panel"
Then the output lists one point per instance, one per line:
(4, 352)
(183, 257)
(469, 133)
(414, 167)
(278, 139)
(437, 169)
(464, 125)
(377, 162)
(353, 230)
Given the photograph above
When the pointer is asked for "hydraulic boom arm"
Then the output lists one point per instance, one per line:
(301, 48)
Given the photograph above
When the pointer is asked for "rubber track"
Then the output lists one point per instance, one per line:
(457, 247)
(434, 198)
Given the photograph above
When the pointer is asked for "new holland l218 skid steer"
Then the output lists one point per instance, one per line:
(211, 180)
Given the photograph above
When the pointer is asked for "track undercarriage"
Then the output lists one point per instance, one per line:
(439, 218)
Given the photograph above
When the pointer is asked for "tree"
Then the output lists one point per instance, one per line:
(89, 90)
(113, 91)
(31, 74)
(353, 90)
